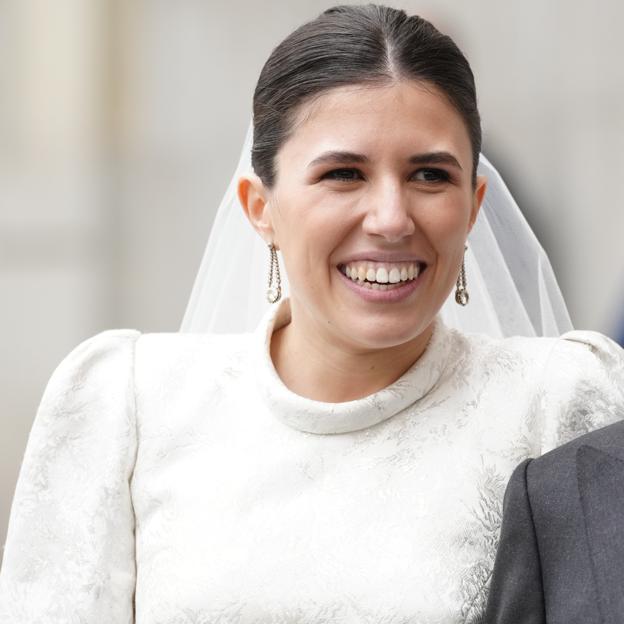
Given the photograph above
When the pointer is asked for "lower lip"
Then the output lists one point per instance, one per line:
(392, 295)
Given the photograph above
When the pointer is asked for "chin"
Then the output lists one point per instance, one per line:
(375, 335)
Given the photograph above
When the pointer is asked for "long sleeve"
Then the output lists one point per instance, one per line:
(70, 555)
(516, 593)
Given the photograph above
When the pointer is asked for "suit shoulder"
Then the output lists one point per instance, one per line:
(609, 439)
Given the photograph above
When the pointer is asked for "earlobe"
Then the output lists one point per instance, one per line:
(252, 195)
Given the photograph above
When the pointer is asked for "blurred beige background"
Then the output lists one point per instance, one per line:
(121, 123)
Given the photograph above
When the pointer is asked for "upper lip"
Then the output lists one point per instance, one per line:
(383, 256)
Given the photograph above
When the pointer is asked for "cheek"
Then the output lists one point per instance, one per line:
(308, 234)
(313, 226)
(446, 224)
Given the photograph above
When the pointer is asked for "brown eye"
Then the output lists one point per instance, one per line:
(343, 175)
(432, 175)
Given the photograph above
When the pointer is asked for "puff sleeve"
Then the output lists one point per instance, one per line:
(70, 555)
(584, 387)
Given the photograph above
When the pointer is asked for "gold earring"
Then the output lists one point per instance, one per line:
(461, 293)
(274, 288)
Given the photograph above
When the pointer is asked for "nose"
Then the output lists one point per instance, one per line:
(388, 214)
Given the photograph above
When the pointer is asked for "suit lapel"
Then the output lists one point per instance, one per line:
(601, 488)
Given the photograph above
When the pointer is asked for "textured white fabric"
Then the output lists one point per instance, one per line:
(176, 470)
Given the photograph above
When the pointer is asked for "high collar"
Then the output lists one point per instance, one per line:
(319, 417)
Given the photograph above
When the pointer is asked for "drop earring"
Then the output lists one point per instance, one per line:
(274, 288)
(461, 293)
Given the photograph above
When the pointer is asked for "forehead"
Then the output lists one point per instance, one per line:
(405, 116)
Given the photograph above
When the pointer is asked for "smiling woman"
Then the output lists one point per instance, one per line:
(371, 183)
(345, 462)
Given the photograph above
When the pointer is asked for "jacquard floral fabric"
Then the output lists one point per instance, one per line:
(174, 479)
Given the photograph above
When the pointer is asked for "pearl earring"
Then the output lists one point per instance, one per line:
(274, 288)
(461, 293)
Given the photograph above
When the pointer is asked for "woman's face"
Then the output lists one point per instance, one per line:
(371, 208)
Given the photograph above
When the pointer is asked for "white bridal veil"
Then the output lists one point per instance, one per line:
(513, 290)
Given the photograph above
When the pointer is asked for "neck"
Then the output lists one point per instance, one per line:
(321, 368)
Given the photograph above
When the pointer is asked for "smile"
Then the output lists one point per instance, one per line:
(381, 276)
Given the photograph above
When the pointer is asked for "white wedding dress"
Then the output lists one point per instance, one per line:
(173, 479)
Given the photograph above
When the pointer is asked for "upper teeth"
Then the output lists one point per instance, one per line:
(382, 273)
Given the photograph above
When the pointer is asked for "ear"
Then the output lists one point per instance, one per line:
(477, 199)
(253, 197)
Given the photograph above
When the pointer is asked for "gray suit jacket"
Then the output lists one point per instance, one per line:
(561, 554)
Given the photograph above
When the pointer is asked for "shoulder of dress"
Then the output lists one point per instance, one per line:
(124, 350)
(529, 349)
(101, 347)
(97, 370)
(584, 382)
(175, 367)
(591, 341)
(174, 350)
(109, 338)
(585, 355)
(580, 347)
(172, 342)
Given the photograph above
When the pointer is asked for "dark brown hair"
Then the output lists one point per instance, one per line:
(348, 45)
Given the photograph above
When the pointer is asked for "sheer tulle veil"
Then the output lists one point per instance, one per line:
(513, 290)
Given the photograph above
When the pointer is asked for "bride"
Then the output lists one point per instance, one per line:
(346, 460)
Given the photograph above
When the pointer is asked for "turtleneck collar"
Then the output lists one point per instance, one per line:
(319, 417)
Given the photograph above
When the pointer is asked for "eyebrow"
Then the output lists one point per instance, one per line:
(433, 158)
(337, 157)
